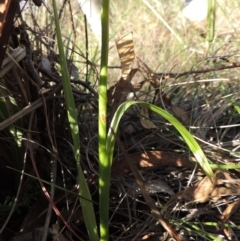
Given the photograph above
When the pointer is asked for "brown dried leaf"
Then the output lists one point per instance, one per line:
(230, 209)
(126, 53)
(124, 86)
(205, 190)
(201, 191)
(158, 186)
(223, 188)
(166, 98)
(146, 123)
(138, 86)
(180, 113)
(149, 159)
(198, 193)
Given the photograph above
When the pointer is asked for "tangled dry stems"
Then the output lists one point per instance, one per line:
(212, 119)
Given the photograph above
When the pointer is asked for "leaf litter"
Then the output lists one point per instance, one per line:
(199, 192)
(180, 190)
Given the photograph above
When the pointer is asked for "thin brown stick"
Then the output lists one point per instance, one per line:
(168, 75)
(51, 202)
(202, 71)
(28, 109)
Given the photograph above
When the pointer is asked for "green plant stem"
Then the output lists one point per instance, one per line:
(211, 16)
(87, 207)
(104, 167)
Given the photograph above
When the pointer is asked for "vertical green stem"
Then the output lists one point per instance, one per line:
(211, 16)
(87, 206)
(104, 167)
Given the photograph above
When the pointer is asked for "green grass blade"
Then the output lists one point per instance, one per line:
(102, 125)
(211, 18)
(191, 142)
(87, 207)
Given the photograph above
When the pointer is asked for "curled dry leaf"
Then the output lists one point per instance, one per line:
(144, 119)
(198, 193)
(180, 113)
(231, 208)
(126, 53)
(138, 86)
(118, 94)
(155, 186)
(206, 190)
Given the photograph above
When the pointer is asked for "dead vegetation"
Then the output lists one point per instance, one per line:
(35, 139)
